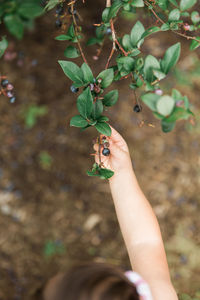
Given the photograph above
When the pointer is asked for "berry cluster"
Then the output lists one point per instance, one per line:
(59, 13)
(6, 89)
(93, 87)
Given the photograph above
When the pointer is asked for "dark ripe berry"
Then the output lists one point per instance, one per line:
(59, 10)
(137, 108)
(58, 23)
(4, 82)
(106, 152)
(10, 87)
(12, 100)
(74, 89)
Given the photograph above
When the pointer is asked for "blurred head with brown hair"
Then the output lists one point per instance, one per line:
(90, 281)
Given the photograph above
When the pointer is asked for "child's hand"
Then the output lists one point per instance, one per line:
(119, 157)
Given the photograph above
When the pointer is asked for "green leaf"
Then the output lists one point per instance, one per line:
(174, 2)
(167, 127)
(78, 121)
(126, 42)
(14, 25)
(194, 44)
(97, 109)
(72, 71)
(195, 17)
(71, 31)
(186, 4)
(106, 173)
(165, 27)
(150, 31)
(165, 105)
(150, 63)
(110, 98)
(150, 100)
(63, 37)
(87, 73)
(117, 4)
(137, 3)
(107, 77)
(176, 95)
(158, 74)
(170, 58)
(163, 4)
(30, 10)
(51, 4)
(125, 62)
(85, 103)
(136, 33)
(179, 113)
(71, 52)
(174, 15)
(103, 128)
(93, 41)
(3, 46)
(103, 119)
(105, 15)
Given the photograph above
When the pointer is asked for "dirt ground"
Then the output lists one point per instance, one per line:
(51, 213)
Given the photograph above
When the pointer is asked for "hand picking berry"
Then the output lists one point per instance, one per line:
(106, 152)
(137, 108)
(74, 89)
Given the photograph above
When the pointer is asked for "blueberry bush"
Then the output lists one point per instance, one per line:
(126, 61)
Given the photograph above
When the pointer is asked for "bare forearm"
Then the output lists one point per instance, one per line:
(137, 220)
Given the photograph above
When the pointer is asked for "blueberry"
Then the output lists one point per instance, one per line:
(12, 100)
(58, 23)
(59, 10)
(106, 152)
(137, 108)
(4, 82)
(74, 89)
(108, 31)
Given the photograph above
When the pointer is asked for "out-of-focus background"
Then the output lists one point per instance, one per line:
(51, 213)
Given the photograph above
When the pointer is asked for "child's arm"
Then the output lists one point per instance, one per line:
(137, 221)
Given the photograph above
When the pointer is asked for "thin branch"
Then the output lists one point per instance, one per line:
(76, 32)
(109, 58)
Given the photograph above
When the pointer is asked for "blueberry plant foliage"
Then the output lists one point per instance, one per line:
(19, 14)
(126, 60)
